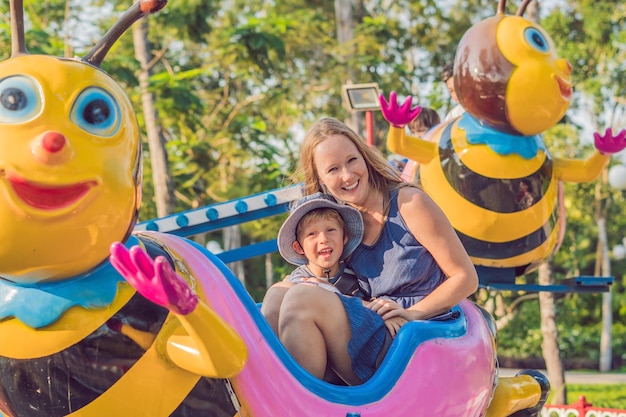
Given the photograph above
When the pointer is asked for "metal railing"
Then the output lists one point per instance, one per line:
(277, 201)
(233, 212)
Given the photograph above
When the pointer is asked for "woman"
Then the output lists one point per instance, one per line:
(426, 269)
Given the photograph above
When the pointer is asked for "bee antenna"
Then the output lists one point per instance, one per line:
(135, 12)
(522, 7)
(501, 6)
(18, 46)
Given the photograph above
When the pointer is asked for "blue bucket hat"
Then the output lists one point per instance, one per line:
(287, 233)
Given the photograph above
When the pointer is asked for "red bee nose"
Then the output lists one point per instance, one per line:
(53, 142)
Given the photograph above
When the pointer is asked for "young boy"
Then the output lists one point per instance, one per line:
(317, 236)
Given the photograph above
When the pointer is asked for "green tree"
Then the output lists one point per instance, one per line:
(593, 36)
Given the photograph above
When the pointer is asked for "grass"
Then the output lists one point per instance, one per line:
(599, 395)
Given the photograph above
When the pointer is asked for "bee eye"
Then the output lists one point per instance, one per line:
(96, 112)
(20, 99)
(536, 39)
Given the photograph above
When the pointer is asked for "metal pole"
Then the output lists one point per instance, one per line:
(369, 126)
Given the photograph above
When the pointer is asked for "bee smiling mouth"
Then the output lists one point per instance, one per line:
(564, 87)
(47, 197)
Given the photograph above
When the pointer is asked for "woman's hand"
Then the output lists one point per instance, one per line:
(391, 312)
(393, 324)
(387, 309)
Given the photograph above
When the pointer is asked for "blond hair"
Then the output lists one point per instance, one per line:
(381, 176)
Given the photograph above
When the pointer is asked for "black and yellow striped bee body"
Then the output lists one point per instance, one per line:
(480, 192)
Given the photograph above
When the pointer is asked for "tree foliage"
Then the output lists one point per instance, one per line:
(238, 82)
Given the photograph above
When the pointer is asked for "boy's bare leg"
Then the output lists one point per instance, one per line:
(314, 328)
(270, 308)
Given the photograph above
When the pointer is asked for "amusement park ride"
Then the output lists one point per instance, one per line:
(103, 317)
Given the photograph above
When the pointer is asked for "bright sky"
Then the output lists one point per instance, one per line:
(547, 5)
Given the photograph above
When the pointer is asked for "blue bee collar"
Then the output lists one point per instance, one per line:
(500, 142)
(43, 304)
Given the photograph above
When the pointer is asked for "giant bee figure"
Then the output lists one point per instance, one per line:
(75, 338)
(489, 169)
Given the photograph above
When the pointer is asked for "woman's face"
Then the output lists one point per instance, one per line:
(342, 169)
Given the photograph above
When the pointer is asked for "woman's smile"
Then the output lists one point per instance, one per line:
(351, 187)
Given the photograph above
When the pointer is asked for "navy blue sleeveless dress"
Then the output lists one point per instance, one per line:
(410, 273)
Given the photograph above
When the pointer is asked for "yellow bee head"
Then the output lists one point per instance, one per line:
(507, 74)
(70, 159)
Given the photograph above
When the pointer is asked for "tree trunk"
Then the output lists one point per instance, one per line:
(269, 271)
(606, 351)
(163, 189)
(232, 240)
(532, 11)
(550, 343)
(69, 50)
(344, 19)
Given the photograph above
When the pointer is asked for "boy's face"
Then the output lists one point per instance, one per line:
(321, 242)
